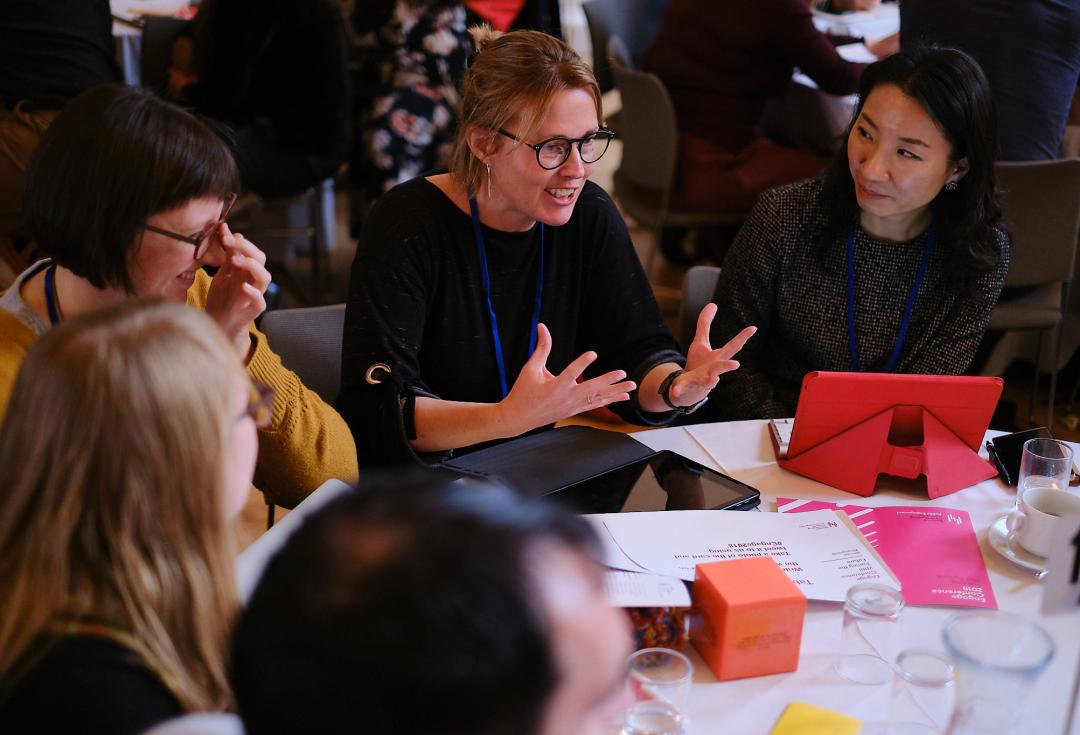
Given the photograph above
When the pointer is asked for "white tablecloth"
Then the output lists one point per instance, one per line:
(751, 706)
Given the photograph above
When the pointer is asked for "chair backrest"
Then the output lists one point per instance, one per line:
(698, 287)
(309, 343)
(634, 21)
(1041, 204)
(648, 128)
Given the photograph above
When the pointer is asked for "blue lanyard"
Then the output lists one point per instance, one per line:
(853, 344)
(478, 234)
(50, 295)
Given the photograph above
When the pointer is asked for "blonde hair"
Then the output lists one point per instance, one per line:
(512, 78)
(112, 509)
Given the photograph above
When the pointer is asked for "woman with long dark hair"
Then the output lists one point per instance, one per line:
(891, 262)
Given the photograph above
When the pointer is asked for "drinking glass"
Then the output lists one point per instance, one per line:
(922, 695)
(998, 657)
(870, 637)
(1044, 463)
(660, 681)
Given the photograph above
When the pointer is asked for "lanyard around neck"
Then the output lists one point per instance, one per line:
(485, 278)
(50, 295)
(853, 344)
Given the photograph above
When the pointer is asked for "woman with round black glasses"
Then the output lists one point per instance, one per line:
(505, 294)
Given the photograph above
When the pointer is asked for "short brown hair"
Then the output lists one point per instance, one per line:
(115, 156)
(513, 76)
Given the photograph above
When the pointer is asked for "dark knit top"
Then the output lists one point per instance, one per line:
(776, 278)
(416, 302)
(90, 685)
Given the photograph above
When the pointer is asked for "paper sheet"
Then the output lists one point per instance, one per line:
(633, 589)
(819, 551)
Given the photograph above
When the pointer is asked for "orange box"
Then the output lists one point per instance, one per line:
(748, 617)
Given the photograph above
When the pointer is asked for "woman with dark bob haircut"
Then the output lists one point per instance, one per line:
(128, 196)
(892, 261)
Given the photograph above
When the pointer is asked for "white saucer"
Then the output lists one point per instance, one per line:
(999, 539)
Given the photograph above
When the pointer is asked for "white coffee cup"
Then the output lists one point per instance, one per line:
(1040, 509)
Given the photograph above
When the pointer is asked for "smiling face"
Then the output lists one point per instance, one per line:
(899, 160)
(522, 192)
(164, 266)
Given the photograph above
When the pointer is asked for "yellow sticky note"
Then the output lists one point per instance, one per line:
(806, 719)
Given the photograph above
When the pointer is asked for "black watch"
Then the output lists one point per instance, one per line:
(665, 393)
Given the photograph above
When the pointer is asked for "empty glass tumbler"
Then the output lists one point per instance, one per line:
(660, 680)
(998, 657)
(870, 638)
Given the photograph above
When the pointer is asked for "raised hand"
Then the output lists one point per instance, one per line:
(538, 397)
(704, 365)
(236, 293)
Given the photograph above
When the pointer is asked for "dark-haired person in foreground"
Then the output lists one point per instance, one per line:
(419, 606)
(128, 195)
(907, 214)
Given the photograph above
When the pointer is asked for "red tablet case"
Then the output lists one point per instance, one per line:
(851, 427)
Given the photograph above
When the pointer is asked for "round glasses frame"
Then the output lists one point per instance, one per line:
(200, 240)
(556, 150)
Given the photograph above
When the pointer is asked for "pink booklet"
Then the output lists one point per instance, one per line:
(932, 550)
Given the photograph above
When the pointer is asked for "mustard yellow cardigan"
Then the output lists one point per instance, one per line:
(306, 443)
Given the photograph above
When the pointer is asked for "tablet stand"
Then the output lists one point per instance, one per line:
(853, 459)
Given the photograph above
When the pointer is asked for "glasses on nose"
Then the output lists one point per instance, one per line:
(200, 240)
(260, 405)
(553, 152)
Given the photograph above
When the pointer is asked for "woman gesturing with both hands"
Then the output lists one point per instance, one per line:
(504, 295)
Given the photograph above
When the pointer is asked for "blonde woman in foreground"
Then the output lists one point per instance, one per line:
(128, 445)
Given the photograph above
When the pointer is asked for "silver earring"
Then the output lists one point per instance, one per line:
(951, 186)
(488, 167)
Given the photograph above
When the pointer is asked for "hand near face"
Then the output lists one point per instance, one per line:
(704, 365)
(236, 293)
(538, 397)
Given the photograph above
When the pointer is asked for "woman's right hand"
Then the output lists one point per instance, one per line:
(236, 292)
(538, 397)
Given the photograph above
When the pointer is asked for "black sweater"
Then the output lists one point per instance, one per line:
(416, 302)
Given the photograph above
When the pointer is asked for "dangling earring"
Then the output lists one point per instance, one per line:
(951, 186)
(488, 167)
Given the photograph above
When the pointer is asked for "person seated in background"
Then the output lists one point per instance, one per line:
(128, 196)
(275, 74)
(505, 295)
(50, 51)
(1033, 83)
(128, 446)
(415, 55)
(891, 262)
(722, 61)
(417, 605)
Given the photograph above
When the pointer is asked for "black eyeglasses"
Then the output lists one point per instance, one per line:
(553, 152)
(200, 240)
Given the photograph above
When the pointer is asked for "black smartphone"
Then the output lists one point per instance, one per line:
(1005, 451)
(718, 491)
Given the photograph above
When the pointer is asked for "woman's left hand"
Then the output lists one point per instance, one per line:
(236, 293)
(704, 365)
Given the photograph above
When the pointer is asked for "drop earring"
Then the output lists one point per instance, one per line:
(488, 167)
